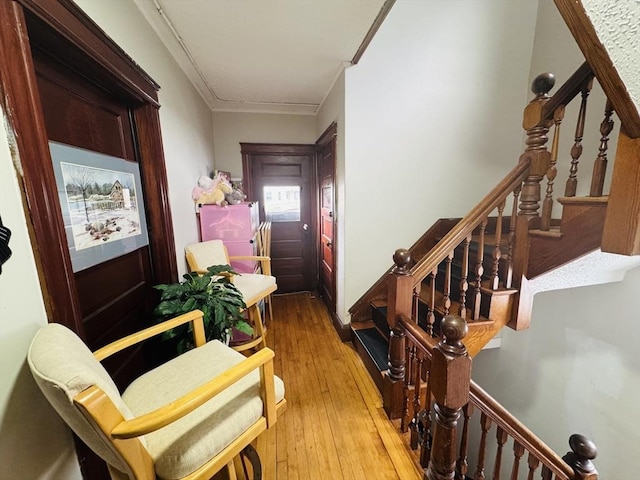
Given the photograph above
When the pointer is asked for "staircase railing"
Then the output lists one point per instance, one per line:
(438, 390)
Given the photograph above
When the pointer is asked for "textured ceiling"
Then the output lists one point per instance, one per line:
(262, 55)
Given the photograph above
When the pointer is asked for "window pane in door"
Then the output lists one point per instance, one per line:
(281, 204)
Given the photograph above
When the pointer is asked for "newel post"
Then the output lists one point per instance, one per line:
(539, 157)
(399, 302)
(450, 383)
(579, 458)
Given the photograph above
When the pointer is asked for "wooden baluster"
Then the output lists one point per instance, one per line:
(600, 165)
(485, 425)
(464, 284)
(518, 452)
(533, 463)
(410, 352)
(400, 302)
(579, 458)
(427, 437)
(450, 382)
(547, 204)
(546, 473)
(576, 150)
(497, 252)
(479, 271)
(431, 316)
(512, 237)
(536, 152)
(501, 438)
(446, 297)
(417, 386)
(462, 465)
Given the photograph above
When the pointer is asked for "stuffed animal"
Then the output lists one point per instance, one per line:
(211, 191)
(235, 197)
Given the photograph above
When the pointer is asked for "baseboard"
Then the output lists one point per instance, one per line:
(343, 331)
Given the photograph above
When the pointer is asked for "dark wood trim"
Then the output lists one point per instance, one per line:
(568, 91)
(70, 22)
(22, 103)
(248, 149)
(375, 26)
(343, 331)
(328, 135)
(156, 191)
(26, 121)
(584, 33)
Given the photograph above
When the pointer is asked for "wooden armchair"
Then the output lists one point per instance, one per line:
(186, 419)
(253, 286)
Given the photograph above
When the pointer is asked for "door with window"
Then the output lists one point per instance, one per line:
(281, 178)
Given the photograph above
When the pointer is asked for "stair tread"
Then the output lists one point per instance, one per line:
(424, 296)
(375, 345)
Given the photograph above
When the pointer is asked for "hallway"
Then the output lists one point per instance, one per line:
(334, 426)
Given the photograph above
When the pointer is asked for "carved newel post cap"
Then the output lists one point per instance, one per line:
(583, 447)
(401, 258)
(543, 84)
(582, 452)
(454, 329)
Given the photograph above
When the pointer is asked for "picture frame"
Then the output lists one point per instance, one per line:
(225, 175)
(101, 202)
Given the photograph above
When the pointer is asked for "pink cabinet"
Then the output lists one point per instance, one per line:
(236, 226)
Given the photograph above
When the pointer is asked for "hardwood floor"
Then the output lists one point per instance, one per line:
(334, 427)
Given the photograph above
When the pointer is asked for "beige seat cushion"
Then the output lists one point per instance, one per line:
(182, 447)
(63, 366)
(254, 286)
(206, 254)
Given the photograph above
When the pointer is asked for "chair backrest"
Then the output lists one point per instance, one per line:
(204, 254)
(63, 366)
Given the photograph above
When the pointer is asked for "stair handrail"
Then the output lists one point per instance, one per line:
(417, 337)
(469, 222)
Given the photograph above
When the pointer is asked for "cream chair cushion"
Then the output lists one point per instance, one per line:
(63, 366)
(252, 286)
(206, 254)
(181, 447)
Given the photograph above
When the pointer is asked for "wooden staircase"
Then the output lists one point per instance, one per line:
(448, 295)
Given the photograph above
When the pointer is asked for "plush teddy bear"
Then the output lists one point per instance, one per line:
(235, 197)
(211, 191)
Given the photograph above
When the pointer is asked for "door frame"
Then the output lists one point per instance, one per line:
(328, 137)
(61, 26)
(290, 149)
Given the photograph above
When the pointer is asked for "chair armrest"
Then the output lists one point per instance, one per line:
(198, 334)
(265, 262)
(175, 410)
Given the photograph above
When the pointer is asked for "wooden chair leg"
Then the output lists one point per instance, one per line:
(231, 470)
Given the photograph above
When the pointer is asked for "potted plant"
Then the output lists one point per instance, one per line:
(212, 292)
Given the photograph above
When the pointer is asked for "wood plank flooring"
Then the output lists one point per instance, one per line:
(334, 427)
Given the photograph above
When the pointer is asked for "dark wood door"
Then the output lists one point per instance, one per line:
(104, 86)
(326, 167)
(281, 178)
(115, 297)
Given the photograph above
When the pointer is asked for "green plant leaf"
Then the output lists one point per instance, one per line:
(244, 327)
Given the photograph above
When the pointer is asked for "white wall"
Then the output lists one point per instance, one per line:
(332, 110)
(576, 370)
(229, 129)
(433, 121)
(28, 425)
(185, 119)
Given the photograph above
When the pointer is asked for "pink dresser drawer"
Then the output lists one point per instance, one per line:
(242, 248)
(231, 223)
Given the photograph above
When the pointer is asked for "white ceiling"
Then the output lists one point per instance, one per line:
(262, 55)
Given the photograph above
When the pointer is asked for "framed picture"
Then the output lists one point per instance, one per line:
(225, 175)
(101, 202)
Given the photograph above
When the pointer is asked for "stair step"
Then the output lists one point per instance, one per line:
(379, 318)
(373, 349)
(553, 232)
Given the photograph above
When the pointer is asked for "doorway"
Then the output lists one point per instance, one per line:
(326, 145)
(281, 178)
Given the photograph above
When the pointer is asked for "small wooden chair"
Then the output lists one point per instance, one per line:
(186, 419)
(253, 286)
